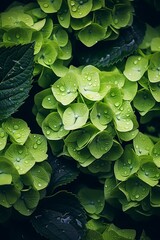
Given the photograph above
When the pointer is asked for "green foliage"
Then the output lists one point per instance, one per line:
(100, 120)
(16, 68)
(23, 172)
(61, 218)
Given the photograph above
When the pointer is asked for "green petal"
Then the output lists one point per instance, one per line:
(101, 144)
(142, 144)
(122, 15)
(65, 88)
(149, 173)
(127, 165)
(8, 195)
(50, 6)
(28, 201)
(37, 146)
(92, 200)
(154, 68)
(156, 154)
(49, 102)
(79, 9)
(137, 189)
(20, 157)
(101, 115)
(18, 36)
(3, 139)
(75, 116)
(155, 44)
(17, 129)
(135, 67)
(64, 15)
(39, 176)
(53, 127)
(91, 34)
(48, 53)
(60, 36)
(143, 101)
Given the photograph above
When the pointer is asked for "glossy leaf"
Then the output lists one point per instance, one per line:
(60, 217)
(64, 172)
(15, 77)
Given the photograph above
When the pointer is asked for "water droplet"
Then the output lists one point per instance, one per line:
(81, 2)
(139, 58)
(48, 132)
(39, 142)
(26, 162)
(137, 196)
(72, 3)
(35, 146)
(18, 159)
(15, 127)
(62, 89)
(117, 104)
(18, 135)
(39, 185)
(74, 9)
(45, 5)
(135, 62)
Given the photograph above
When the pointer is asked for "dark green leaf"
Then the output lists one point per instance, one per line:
(60, 217)
(64, 171)
(16, 67)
